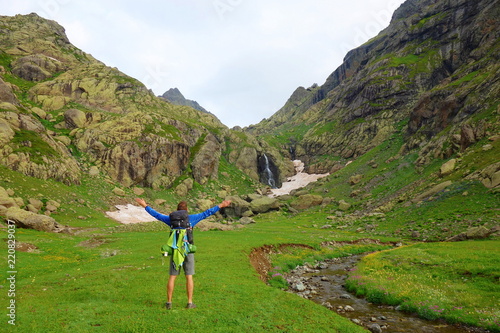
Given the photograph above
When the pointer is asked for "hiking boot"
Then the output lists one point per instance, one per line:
(190, 306)
(168, 305)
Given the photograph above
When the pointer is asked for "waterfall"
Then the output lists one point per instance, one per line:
(268, 171)
(291, 150)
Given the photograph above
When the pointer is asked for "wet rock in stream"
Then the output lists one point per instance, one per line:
(324, 282)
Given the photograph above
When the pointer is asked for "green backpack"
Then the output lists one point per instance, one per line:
(168, 250)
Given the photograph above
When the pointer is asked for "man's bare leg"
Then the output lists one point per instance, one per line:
(189, 288)
(170, 287)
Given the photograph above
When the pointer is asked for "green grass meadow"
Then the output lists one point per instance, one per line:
(119, 286)
(113, 280)
(457, 281)
(109, 277)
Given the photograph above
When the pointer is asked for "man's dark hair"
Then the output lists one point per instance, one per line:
(182, 205)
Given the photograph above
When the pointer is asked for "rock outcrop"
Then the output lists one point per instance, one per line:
(174, 96)
(78, 116)
(429, 75)
(29, 220)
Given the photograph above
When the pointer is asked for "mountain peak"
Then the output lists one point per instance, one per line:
(174, 96)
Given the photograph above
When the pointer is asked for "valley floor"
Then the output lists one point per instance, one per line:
(112, 279)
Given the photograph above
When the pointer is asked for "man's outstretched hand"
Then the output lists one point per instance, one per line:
(225, 203)
(141, 202)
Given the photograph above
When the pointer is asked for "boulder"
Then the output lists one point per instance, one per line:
(477, 233)
(38, 204)
(39, 112)
(138, 191)
(470, 134)
(6, 94)
(64, 139)
(181, 190)
(246, 220)
(51, 208)
(30, 220)
(490, 176)
(6, 133)
(189, 182)
(29, 123)
(343, 205)
(222, 194)
(436, 189)
(375, 328)
(238, 207)
(206, 225)
(474, 233)
(448, 167)
(307, 201)
(254, 196)
(159, 202)
(5, 199)
(204, 204)
(119, 192)
(32, 208)
(247, 213)
(264, 204)
(487, 147)
(93, 171)
(353, 180)
(75, 118)
(54, 203)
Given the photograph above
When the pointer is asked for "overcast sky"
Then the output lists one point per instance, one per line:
(240, 59)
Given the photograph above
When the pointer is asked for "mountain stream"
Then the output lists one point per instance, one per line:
(324, 283)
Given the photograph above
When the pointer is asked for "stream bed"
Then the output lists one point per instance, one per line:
(324, 283)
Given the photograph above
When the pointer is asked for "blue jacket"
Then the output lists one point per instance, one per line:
(193, 219)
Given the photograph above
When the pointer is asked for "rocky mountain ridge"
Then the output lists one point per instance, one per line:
(431, 76)
(65, 114)
(384, 125)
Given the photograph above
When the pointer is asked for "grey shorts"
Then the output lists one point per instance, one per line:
(187, 265)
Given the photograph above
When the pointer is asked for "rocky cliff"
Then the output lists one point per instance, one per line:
(428, 82)
(64, 114)
(431, 76)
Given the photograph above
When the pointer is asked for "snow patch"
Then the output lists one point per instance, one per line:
(299, 180)
(128, 214)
